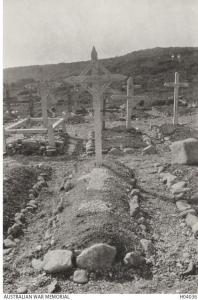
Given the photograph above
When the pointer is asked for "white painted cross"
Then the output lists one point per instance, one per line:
(130, 99)
(96, 79)
(44, 93)
(176, 86)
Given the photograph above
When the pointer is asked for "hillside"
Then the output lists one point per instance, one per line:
(150, 68)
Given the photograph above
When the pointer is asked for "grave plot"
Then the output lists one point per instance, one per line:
(33, 138)
(18, 180)
(91, 217)
(117, 141)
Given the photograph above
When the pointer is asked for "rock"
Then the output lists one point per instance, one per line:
(157, 165)
(147, 246)
(194, 198)
(22, 290)
(184, 213)
(192, 221)
(38, 248)
(20, 216)
(191, 270)
(182, 205)
(50, 221)
(60, 205)
(15, 230)
(52, 242)
(134, 192)
(179, 196)
(180, 191)
(134, 205)
(37, 264)
(161, 169)
(31, 196)
(168, 178)
(98, 256)
(51, 152)
(57, 261)
(32, 203)
(47, 235)
(128, 150)
(53, 286)
(143, 227)
(7, 251)
(115, 151)
(195, 230)
(149, 150)
(6, 266)
(134, 259)
(177, 187)
(68, 186)
(185, 152)
(80, 276)
(9, 244)
(31, 208)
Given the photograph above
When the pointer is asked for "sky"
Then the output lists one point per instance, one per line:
(55, 31)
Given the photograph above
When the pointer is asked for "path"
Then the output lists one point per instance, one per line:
(174, 242)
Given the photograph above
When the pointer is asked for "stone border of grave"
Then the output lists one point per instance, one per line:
(90, 148)
(99, 256)
(16, 230)
(179, 191)
(37, 147)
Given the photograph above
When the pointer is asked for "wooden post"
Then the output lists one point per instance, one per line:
(130, 99)
(7, 97)
(99, 80)
(175, 109)
(74, 104)
(31, 105)
(103, 107)
(130, 93)
(64, 123)
(97, 101)
(4, 140)
(51, 135)
(44, 95)
(176, 85)
(44, 110)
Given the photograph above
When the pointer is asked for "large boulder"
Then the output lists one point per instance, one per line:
(57, 261)
(96, 257)
(185, 152)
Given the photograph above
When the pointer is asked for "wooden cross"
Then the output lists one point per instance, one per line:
(30, 88)
(96, 79)
(7, 97)
(130, 99)
(176, 86)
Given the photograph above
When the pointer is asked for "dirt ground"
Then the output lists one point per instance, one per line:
(173, 240)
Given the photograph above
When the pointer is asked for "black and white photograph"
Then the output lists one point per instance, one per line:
(99, 148)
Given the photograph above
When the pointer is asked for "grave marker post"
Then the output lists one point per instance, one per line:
(130, 99)
(96, 83)
(176, 85)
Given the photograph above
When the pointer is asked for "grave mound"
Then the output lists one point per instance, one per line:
(17, 181)
(100, 211)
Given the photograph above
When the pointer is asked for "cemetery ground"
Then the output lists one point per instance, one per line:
(81, 206)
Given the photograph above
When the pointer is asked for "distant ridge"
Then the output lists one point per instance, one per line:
(150, 67)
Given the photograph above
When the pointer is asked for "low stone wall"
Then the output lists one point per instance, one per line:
(38, 145)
